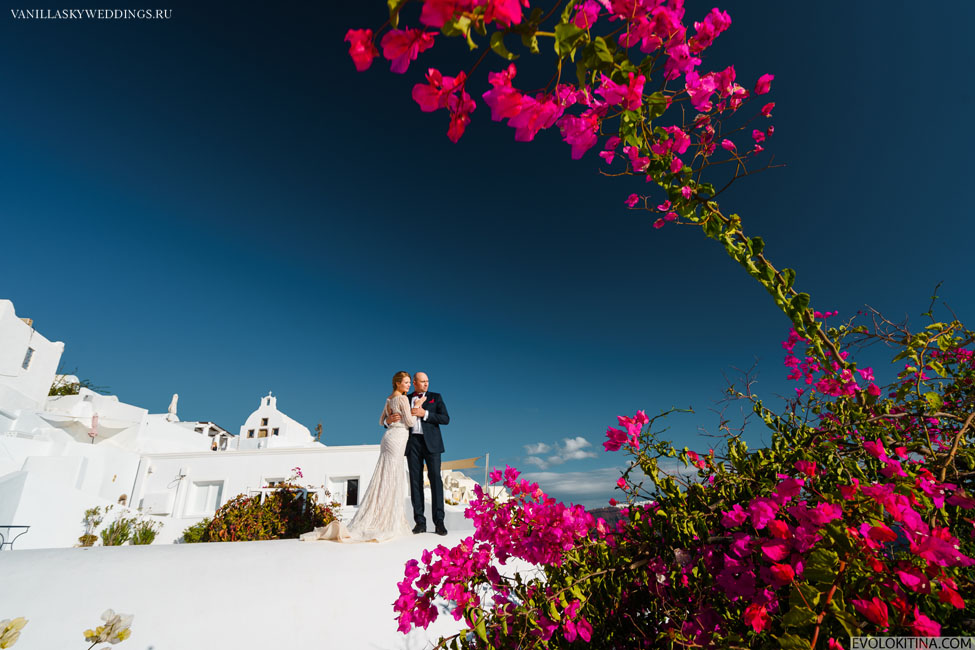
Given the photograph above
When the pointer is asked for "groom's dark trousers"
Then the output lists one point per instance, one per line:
(426, 448)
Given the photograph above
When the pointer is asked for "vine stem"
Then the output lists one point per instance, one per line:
(829, 599)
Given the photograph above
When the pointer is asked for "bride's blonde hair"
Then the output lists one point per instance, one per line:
(398, 377)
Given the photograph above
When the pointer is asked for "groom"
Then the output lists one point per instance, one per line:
(426, 445)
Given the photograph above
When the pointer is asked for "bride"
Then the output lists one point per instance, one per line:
(380, 516)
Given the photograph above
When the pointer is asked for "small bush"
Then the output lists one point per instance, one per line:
(118, 532)
(144, 531)
(88, 540)
(194, 534)
(284, 514)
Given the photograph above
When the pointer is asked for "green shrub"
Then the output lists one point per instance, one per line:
(284, 514)
(144, 531)
(118, 532)
(194, 534)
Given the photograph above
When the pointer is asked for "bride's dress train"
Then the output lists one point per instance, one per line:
(381, 512)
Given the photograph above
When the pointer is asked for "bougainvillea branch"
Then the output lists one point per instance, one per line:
(855, 519)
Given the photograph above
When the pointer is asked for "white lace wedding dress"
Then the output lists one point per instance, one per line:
(380, 516)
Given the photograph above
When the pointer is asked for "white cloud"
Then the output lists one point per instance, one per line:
(537, 448)
(568, 449)
(594, 488)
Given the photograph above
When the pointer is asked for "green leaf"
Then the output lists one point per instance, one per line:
(792, 642)
(821, 567)
(479, 627)
(394, 7)
(933, 400)
(566, 36)
(457, 27)
(798, 617)
(602, 51)
(757, 245)
(656, 105)
(530, 41)
(497, 45)
(789, 275)
(800, 302)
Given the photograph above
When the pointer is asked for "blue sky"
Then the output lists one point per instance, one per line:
(218, 205)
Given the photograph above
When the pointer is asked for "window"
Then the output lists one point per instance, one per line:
(250, 433)
(262, 433)
(352, 492)
(263, 422)
(27, 357)
(206, 496)
(274, 431)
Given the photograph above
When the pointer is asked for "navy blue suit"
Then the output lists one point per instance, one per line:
(427, 448)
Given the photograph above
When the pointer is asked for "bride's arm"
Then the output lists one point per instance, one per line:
(403, 406)
(382, 416)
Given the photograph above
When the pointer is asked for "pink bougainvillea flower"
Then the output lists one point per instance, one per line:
(632, 200)
(806, 467)
(403, 46)
(876, 449)
(659, 223)
(734, 517)
(714, 23)
(676, 165)
(586, 14)
(762, 511)
(875, 610)
(361, 48)
(848, 492)
(758, 136)
(961, 500)
(728, 145)
(950, 596)
(584, 629)
(436, 13)
(924, 626)
(504, 100)
(833, 644)
(779, 529)
(686, 192)
(504, 12)
(679, 61)
(783, 573)
(460, 110)
(629, 95)
(433, 94)
(880, 533)
(775, 550)
(764, 84)
(756, 616)
(580, 132)
(767, 109)
(639, 163)
(536, 113)
(672, 216)
(914, 579)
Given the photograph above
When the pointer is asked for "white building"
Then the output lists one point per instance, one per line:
(62, 455)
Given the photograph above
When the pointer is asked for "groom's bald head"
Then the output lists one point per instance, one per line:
(420, 382)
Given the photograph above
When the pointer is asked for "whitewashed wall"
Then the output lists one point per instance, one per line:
(34, 382)
(174, 481)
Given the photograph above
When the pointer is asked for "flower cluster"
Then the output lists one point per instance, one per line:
(10, 630)
(610, 100)
(114, 630)
(531, 527)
